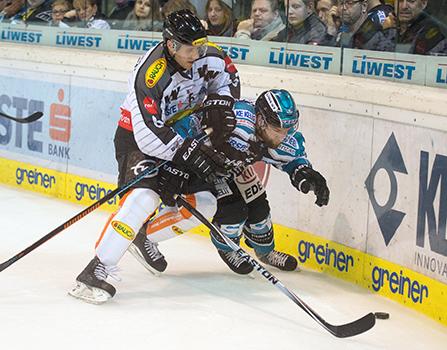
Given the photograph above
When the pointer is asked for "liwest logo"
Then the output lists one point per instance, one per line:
(27, 135)
(34, 177)
(23, 36)
(381, 67)
(300, 59)
(324, 255)
(123, 229)
(398, 284)
(239, 52)
(93, 192)
(78, 40)
(135, 43)
(432, 197)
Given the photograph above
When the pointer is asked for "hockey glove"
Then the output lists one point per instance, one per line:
(171, 180)
(201, 159)
(306, 179)
(218, 115)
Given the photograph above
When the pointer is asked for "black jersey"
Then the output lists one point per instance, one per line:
(161, 92)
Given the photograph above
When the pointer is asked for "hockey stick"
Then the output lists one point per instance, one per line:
(341, 331)
(80, 215)
(29, 119)
(88, 210)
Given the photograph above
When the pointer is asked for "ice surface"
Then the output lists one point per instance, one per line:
(198, 303)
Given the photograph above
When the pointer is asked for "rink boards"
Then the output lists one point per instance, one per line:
(394, 281)
(381, 147)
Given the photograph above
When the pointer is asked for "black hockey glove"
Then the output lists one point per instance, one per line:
(171, 180)
(201, 159)
(306, 179)
(218, 115)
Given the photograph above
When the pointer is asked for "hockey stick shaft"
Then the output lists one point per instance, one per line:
(342, 331)
(79, 216)
(120, 190)
(29, 119)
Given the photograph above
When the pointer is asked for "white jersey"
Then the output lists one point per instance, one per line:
(161, 92)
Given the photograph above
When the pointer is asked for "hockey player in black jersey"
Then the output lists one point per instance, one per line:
(170, 81)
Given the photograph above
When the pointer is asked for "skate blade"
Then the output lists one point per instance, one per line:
(89, 294)
(136, 253)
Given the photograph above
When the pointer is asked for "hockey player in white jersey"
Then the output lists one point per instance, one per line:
(267, 131)
(170, 81)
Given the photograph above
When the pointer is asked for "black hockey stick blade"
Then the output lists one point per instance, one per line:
(354, 328)
(29, 119)
(341, 331)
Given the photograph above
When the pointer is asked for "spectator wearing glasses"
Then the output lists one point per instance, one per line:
(304, 25)
(265, 23)
(219, 18)
(418, 32)
(87, 13)
(145, 16)
(362, 25)
(58, 10)
(328, 11)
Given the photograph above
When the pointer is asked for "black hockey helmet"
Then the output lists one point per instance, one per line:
(184, 27)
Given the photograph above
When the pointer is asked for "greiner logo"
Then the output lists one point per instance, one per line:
(123, 229)
(34, 177)
(93, 192)
(324, 255)
(398, 284)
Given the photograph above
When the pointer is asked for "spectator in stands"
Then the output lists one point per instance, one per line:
(265, 22)
(219, 18)
(87, 12)
(119, 13)
(58, 10)
(38, 12)
(175, 5)
(328, 12)
(304, 25)
(362, 25)
(418, 32)
(10, 8)
(145, 16)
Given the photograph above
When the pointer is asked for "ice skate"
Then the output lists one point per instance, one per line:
(147, 254)
(91, 285)
(279, 260)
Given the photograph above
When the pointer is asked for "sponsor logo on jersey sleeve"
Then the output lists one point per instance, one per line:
(123, 229)
(150, 105)
(154, 72)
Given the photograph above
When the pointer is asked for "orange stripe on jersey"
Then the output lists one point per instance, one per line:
(191, 199)
(163, 221)
(171, 218)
